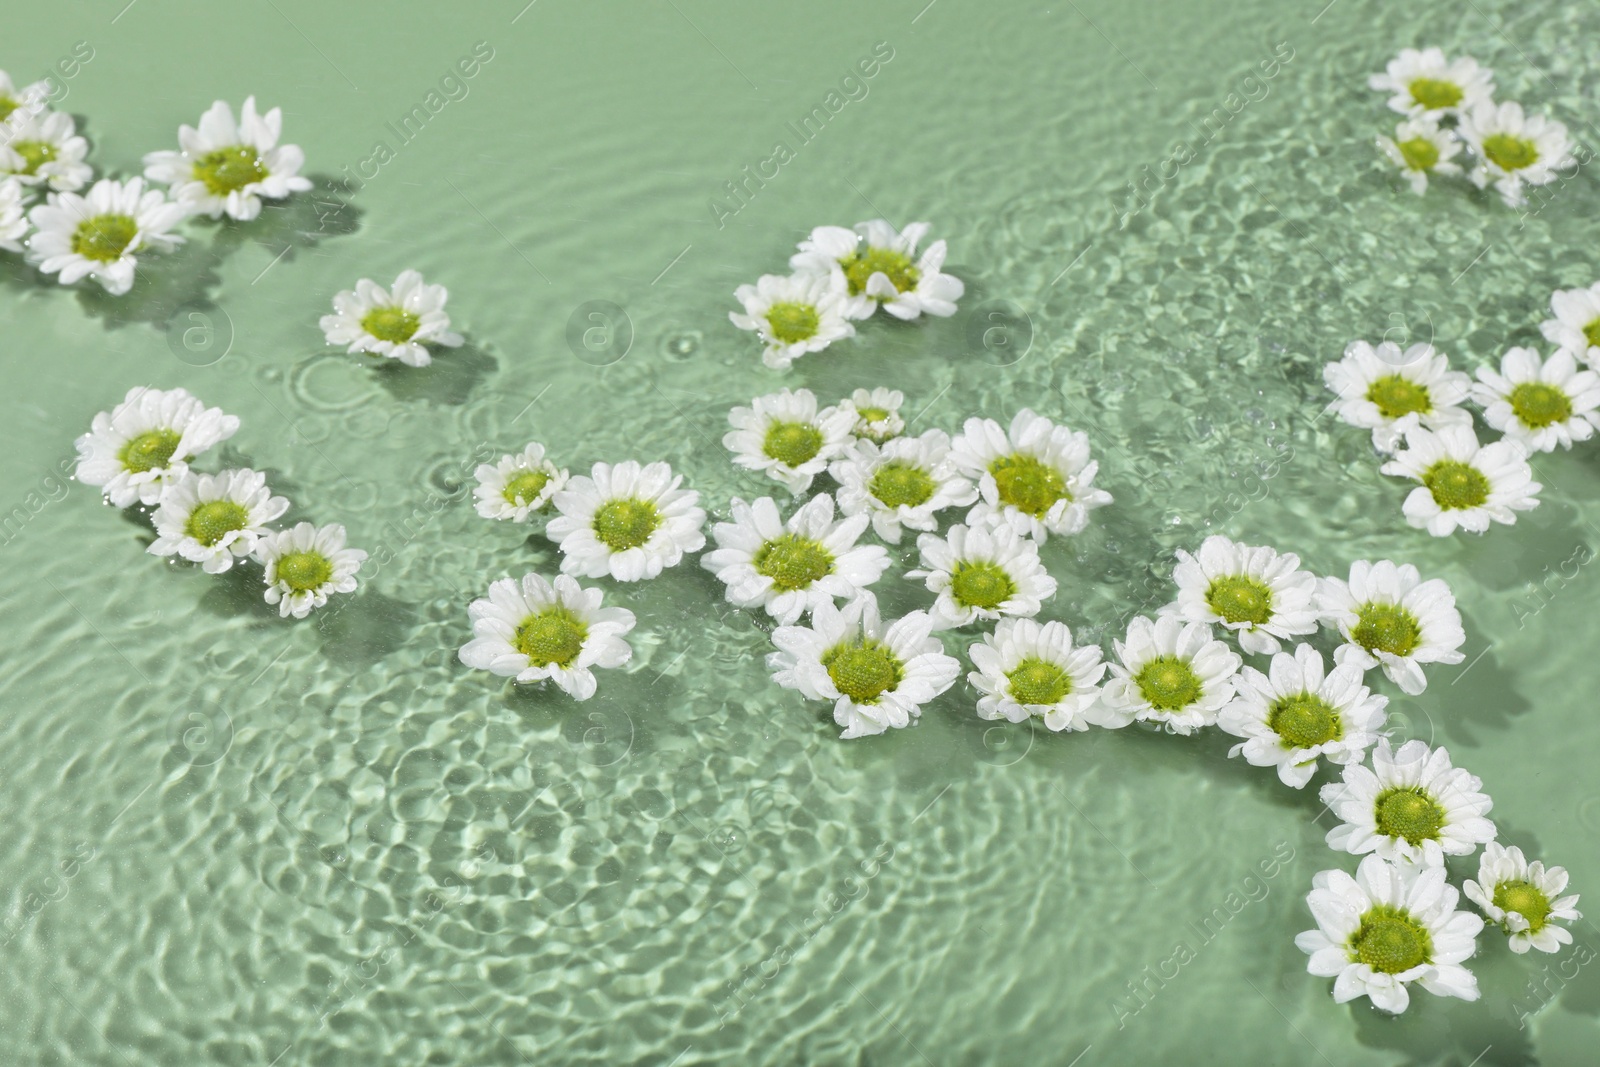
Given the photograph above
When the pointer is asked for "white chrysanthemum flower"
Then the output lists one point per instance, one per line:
(626, 521)
(535, 631)
(212, 519)
(1297, 713)
(1463, 484)
(1389, 392)
(877, 677)
(100, 234)
(1411, 806)
(879, 267)
(138, 448)
(785, 435)
(1389, 926)
(1540, 404)
(18, 103)
(1256, 592)
(1524, 899)
(1420, 148)
(877, 414)
(517, 485)
(45, 150)
(1173, 673)
(226, 167)
(982, 573)
(793, 314)
(1576, 326)
(1514, 149)
(1389, 617)
(399, 323)
(1028, 669)
(306, 565)
(1426, 83)
(1038, 478)
(788, 568)
(903, 484)
(13, 219)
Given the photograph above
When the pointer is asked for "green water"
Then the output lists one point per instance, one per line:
(238, 840)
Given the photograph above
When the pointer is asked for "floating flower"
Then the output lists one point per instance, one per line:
(1464, 484)
(211, 519)
(793, 315)
(1386, 928)
(879, 267)
(1173, 673)
(1576, 325)
(144, 444)
(13, 219)
(1297, 713)
(400, 324)
(877, 677)
(1389, 617)
(877, 414)
(517, 485)
(18, 103)
(535, 631)
(45, 150)
(1027, 669)
(1524, 899)
(100, 235)
(626, 521)
(1254, 591)
(226, 167)
(1426, 83)
(1038, 478)
(306, 565)
(903, 484)
(785, 435)
(1390, 392)
(1420, 148)
(1540, 404)
(789, 568)
(1411, 806)
(982, 573)
(1514, 149)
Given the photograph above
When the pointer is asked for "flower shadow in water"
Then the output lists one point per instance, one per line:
(450, 379)
(286, 226)
(359, 629)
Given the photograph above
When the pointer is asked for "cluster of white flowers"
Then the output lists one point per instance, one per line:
(1449, 105)
(139, 454)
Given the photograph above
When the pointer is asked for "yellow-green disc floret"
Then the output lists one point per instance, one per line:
(35, 154)
(210, 522)
(1304, 721)
(1433, 94)
(1037, 681)
(1027, 484)
(792, 443)
(1168, 683)
(149, 451)
(793, 562)
(304, 572)
(1538, 404)
(981, 584)
(899, 484)
(227, 170)
(1510, 153)
(1391, 941)
(1386, 628)
(863, 670)
(791, 323)
(393, 324)
(1240, 598)
(859, 267)
(1455, 485)
(624, 524)
(1409, 813)
(1526, 899)
(1419, 153)
(1395, 396)
(524, 487)
(551, 637)
(104, 238)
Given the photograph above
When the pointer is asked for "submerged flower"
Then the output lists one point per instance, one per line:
(1173, 674)
(1540, 404)
(1420, 148)
(1389, 926)
(226, 167)
(877, 414)
(100, 234)
(793, 314)
(517, 485)
(305, 565)
(903, 484)
(1411, 806)
(1261, 595)
(1514, 149)
(1389, 616)
(982, 573)
(1426, 83)
(789, 568)
(212, 519)
(399, 324)
(13, 219)
(1390, 392)
(1464, 484)
(138, 448)
(626, 521)
(535, 631)
(877, 677)
(1524, 899)
(1027, 669)
(18, 103)
(785, 435)
(1576, 326)
(1037, 478)
(45, 150)
(879, 267)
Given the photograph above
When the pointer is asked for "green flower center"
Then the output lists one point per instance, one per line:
(215, 519)
(1456, 485)
(1168, 683)
(105, 237)
(1386, 628)
(624, 524)
(981, 584)
(1408, 812)
(1028, 484)
(1037, 681)
(870, 415)
(1240, 598)
(859, 267)
(1526, 899)
(863, 670)
(1304, 721)
(1419, 153)
(7, 106)
(792, 323)
(149, 451)
(899, 484)
(524, 487)
(303, 572)
(553, 636)
(34, 154)
(792, 443)
(393, 324)
(227, 170)
(793, 562)
(1538, 405)
(1591, 333)
(1510, 153)
(1396, 396)
(1434, 94)
(1391, 941)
